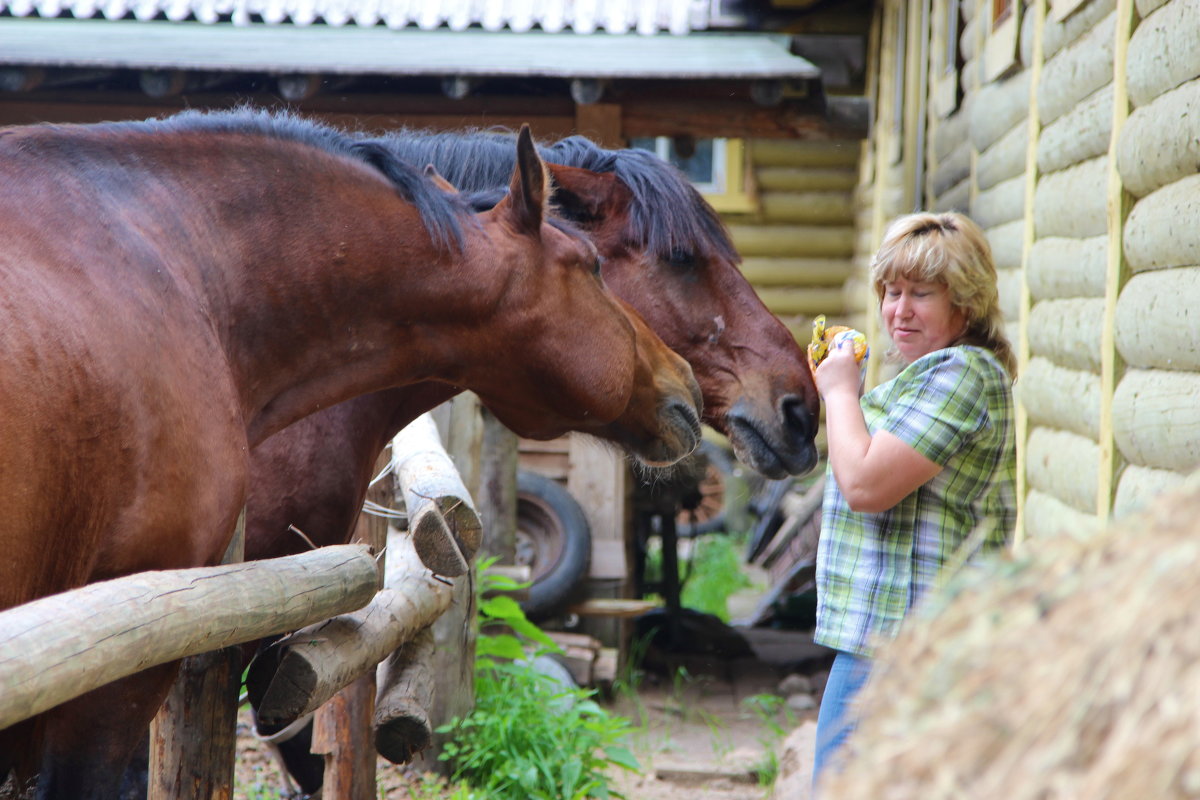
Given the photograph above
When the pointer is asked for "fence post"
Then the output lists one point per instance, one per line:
(343, 729)
(193, 739)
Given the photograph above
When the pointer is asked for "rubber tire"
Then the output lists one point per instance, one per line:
(552, 523)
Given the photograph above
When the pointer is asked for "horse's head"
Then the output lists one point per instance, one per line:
(666, 252)
(588, 363)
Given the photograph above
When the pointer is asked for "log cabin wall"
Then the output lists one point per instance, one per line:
(1068, 130)
(797, 243)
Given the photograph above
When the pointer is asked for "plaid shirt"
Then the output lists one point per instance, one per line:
(953, 406)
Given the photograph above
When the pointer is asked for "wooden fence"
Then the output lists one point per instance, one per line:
(345, 614)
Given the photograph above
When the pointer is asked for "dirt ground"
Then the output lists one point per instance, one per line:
(696, 738)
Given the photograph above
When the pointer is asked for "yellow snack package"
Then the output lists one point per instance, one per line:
(827, 336)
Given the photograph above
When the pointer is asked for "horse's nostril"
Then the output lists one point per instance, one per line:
(796, 416)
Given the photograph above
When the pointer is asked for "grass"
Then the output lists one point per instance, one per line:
(710, 575)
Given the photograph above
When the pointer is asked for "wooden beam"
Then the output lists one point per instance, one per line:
(1117, 271)
(1028, 235)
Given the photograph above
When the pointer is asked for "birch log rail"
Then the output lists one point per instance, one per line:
(300, 673)
(442, 520)
(59, 647)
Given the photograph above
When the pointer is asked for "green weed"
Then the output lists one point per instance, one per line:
(528, 737)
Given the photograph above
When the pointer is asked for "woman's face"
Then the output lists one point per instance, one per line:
(920, 317)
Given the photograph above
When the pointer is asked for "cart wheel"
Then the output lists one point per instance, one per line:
(553, 539)
(710, 513)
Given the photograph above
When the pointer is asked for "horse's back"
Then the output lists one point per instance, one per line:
(100, 370)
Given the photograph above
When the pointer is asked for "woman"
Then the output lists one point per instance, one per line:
(923, 468)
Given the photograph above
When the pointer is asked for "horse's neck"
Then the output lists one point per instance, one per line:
(326, 297)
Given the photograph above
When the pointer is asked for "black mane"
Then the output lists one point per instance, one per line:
(667, 214)
(440, 212)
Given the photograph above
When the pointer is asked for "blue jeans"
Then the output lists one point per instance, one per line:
(834, 724)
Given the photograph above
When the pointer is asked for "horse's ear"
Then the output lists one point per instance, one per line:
(529, 186)
(581, 195)
(436, 178)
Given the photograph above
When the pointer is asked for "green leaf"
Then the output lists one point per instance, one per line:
(622, 757)
(501, 646)
(501, 607)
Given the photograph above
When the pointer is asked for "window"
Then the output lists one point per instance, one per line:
(946, 64)
(716, 167)
(1004, 30)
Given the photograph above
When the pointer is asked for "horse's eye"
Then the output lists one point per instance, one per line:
(597, 264)
(682, 258)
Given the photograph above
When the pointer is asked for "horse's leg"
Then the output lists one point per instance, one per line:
(17, 754)
(88, 742)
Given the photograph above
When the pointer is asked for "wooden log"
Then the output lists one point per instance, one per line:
(1163, 52)
(808, 301)
(1163, 229)
(453, 661)
(1064, 465)
(446, 531)
(59, 647)
(1144, 7)
(1057, 34)
(1156, 320)
(1077, 71)
(1160, 143)
(784, 153)
(1008, 283)
(193, 740)
(1047, 516)
(783, 271)
(806, 208)
(1000, 107)
(1082, 133)
(793, 240)
(806, 179)
(1140, 485)
(1067, 332)
(299, 673)
(1061, 267)
(1002, 203)
(1005, 241)
(402, 724)
(1072, 202)
(342, 727)
(952, 133)
(1004, 158)
(1156, 419)
(957, 198)
(342, 733)
(1058, 397)
(953, 168)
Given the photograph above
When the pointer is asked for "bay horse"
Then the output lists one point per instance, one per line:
(176, 291)
(663, 249)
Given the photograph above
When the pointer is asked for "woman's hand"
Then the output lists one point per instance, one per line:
(839, 372)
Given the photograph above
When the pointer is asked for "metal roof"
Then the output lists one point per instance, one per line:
(377, 50)
(582, 16)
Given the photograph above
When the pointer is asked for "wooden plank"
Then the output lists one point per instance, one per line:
(1028, 235)
(1117, 271)
(613, 607)
(600, 122)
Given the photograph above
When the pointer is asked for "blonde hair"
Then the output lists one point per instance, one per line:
(951, 250)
